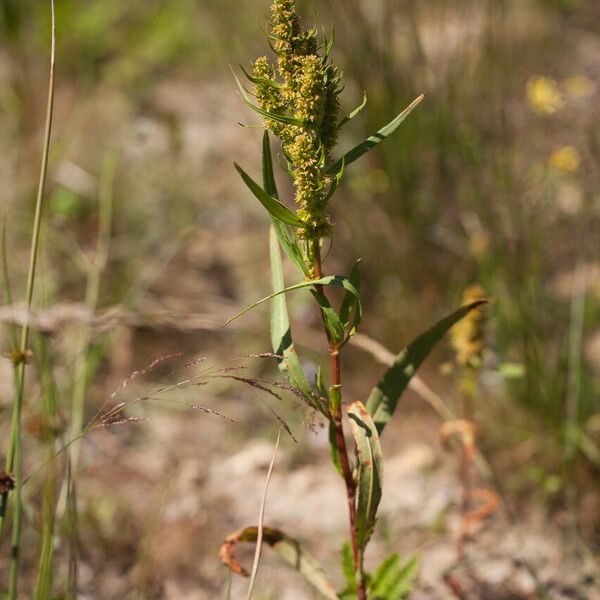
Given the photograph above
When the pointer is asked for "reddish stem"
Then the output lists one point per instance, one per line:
(340, 440)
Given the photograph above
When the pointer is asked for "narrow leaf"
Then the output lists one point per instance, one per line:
(370, 471)
(330, 317)
(274, 206)
(263, 113)
(290, 246)
(286, 239)
(352, 303)
(355, 112)
(281, 332)
(381, 135)
(348, 566)
(336, 280)
(383, 399)
(267, 167)
(287, 548)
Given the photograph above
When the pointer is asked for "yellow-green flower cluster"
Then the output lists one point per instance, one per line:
(303, 92)
(468, 335)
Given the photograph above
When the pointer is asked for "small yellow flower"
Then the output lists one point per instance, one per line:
(565, 159)
(579, 86)
(544, 95)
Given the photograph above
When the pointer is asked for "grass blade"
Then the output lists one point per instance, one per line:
(14, 458)
(261, 517)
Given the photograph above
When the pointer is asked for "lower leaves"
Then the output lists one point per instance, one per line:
(288, 549)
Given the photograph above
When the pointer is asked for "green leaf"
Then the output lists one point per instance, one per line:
(370, 471)
(375, 139)
(263, 113)
(288, 548)
(336, 181)
(355, 112)
(267, 167)
(352, 303)
(348, 567)
(330, 317)
(383, 399)
(275, 207)
(336, 280)
(259, 80)
(286, 238)
(393, 578)
(335, 402)
(290, 246)
(334, 453)
(281, 332)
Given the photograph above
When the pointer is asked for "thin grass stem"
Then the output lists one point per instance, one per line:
(14, 455)
(261, 519)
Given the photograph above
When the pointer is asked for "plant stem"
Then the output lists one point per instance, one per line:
(335, 409)
(14, 458)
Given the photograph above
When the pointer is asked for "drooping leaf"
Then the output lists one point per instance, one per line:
(393, 578)
(370, 471)
(378, 137)
(383, 399)
(336, 280)
(281, 332)
(276, 209)
(355, 112)
(287, 548)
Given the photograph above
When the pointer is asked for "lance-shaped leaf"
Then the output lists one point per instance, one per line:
(370, 471)
(281, 331)
(375, 139)
(276, 209)
(383, 399)
(287, 548)
(337, 280)
(286, 238)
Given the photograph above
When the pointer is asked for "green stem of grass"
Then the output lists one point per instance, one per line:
(14, 455)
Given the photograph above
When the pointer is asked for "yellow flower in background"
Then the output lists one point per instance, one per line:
(579, 86)
(544, 95)
(565, 159)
